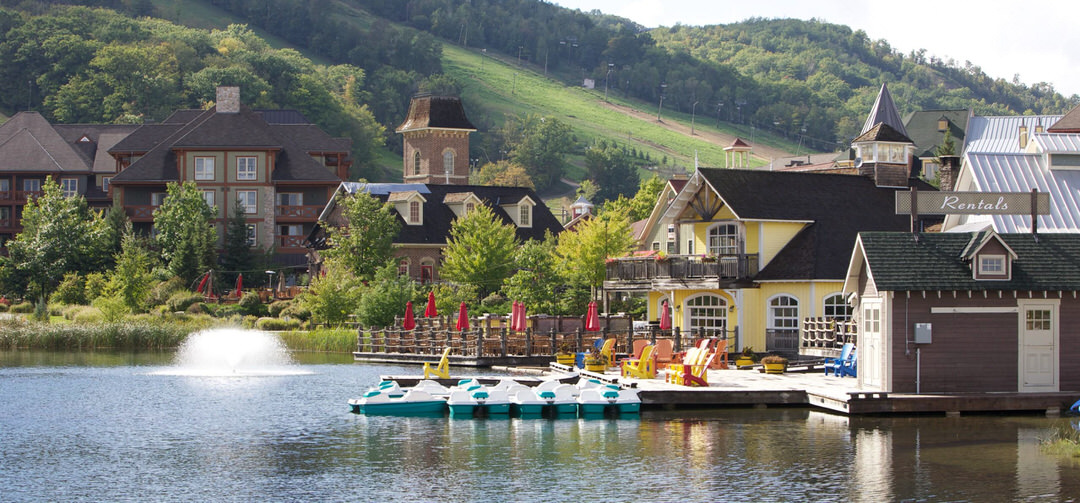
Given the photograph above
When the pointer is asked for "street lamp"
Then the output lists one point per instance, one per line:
(719, 107)
(270, 280)
(661, 107)
(693, 112)
(610, 67)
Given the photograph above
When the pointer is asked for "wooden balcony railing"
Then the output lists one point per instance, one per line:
(18, 195)
(724, 267)
(290, 241)
(141, 212)
(306, 212)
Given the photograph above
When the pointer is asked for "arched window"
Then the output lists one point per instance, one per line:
(707, 312)
(416, 163)
(724, 240)
(784, 313)
(836, 308)
(448, 161)
(403, 267)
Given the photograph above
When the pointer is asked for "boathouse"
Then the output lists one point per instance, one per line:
(966, 312)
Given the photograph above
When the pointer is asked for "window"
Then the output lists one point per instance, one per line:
(724, 240)
(290, 236)
(290, 199)
(414, 212)
(656, 246)
(872, 319)
(992, 265)
(403, 268)
(208, 196)
(427, 270)
(291, 230)
(1038, 319)
(416, 163)
(204, 168)
(157, 198)
(31, 185)
(784, 313)
(69, 186)
(448, 161)
(252, 234)
(5, 184)
(469, 207)
(105, 182)
(248, 200)
(707, 312)
(836, 308)
(245, 168)
(525, 215)
(689, 246)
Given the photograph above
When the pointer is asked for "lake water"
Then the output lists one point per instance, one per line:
(141, 427)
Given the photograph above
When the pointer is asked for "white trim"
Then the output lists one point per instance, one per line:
(1055, 320)
(974, 310)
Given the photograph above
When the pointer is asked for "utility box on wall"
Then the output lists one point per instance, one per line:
(923, 332)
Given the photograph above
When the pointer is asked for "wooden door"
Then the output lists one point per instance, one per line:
(1038, 343)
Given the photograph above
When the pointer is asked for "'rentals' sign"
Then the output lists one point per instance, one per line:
(973, 203)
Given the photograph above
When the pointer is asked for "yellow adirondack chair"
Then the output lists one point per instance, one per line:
(607, 353)
(641, 368)
(443, 368)
(695, 374)
(692, 357)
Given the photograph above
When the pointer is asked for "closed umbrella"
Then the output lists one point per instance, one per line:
(463, 318)
(592, 318)
(665, 316)
(239, 285)
(429, 311)
(523, 319)
(409, 322)
(514, 314)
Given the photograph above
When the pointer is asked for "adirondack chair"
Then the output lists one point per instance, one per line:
(663, 353)
(849, 368)
(695, 374)
(443, 368)
(607, 353)
(833, 364)
(643, 367)
(636, 350)
(720, 362)
(693, 356)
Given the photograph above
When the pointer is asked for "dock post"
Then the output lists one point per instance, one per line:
(677, 335)
(359, 338)
(554, 347)
(578, 339)
(502, 342)
(528, 341)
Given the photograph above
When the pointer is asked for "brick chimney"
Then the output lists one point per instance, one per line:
(950, 164)
(228, 100)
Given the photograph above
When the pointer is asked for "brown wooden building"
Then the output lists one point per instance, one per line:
(967, 312)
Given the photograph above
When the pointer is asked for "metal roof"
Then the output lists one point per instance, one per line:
(1001, 134)
(998, 172)
(1058, 142)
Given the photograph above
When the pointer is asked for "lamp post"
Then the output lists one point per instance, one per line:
(269, 280)
(719, 107)
(693, 112)
(661, 107)
(610, 67)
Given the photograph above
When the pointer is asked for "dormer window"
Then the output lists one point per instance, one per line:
(409, 205)
(942, 124)
(469, 207)
(414, 212)
(84, 139)
(990, 258)
(525, 218)
(992, 265)
(520, 213)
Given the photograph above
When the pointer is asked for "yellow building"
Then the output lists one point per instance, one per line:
(754, 253)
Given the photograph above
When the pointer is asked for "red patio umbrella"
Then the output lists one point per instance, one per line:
(463, 318)
(665, 316)
(409, 322)
(523, 322)
(514, 316)
(429, 311)
(592, 318)
(239, 285)
(203, 282)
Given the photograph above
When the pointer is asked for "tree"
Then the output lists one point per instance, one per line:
(611, 169)
(385, 298)
(366, 241)
(502, 174)
(131, 280)
(185, 231)
(583, 251)
(333, 297)
(538, 144)
(537, 276)
(641, 206)
(588, 190)
(480, 251)
(237, 255)
(60, 235)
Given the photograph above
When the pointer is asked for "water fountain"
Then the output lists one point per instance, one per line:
(222, 352)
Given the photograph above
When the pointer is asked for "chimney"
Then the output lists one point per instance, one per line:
(1023, 135)
(950, 164)
(228, 100)
(1038, 125)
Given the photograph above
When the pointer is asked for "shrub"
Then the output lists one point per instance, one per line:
(195, 308)
(3, 308)
(161, 292)
(249, 321)
(296, 311)
(69, 312)
(95, 286)
(87, 314)
(23, 307)
(182, 300)
(112, 308)
(71, 290)
(251, 305)
(277, 307)
(276, 324)
(41, 310)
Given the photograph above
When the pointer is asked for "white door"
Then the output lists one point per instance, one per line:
(869, 345)
(1038, 344)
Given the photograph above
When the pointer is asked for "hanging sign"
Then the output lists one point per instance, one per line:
(973, 203)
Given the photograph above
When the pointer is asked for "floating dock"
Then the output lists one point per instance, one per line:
(748, 388)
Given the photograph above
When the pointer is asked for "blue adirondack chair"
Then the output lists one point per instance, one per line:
(850, 367)
(832, 365)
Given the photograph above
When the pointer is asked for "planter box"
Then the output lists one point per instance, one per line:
(775, 368)
(744, 361)
(565, 359)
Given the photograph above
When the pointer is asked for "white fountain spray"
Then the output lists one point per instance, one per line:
(223, 352)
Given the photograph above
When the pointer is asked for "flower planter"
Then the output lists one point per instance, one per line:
(739, 362)
(775, 368)
(595, 366)
(565, 359)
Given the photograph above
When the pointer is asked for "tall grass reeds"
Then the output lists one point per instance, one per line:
(130, 334)
(331, 340)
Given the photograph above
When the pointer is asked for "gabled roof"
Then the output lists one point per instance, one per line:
(898, 262)
(1070, 123)
(922, 128)
(442, 112)
(29, 143)
(884, 112)
(979, 240)
(982, 172)
(882, 132)
(836, 208)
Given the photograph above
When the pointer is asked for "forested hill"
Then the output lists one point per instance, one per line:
(793, 78)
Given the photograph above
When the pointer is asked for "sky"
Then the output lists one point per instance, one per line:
(1039, 40)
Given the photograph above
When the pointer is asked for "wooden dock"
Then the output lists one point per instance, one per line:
(748, 388)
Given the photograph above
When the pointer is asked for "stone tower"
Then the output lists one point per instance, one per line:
(436, 141)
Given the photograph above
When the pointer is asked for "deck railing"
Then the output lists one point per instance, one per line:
(682, 267)
(306, 212)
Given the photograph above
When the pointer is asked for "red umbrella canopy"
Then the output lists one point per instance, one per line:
(523, 319)
(515, 313)
(463, 318)
(592, 318)
(410, 322)
(239, 284)
(665, 316)
(429, 311)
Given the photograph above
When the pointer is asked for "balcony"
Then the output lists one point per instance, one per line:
(680, 271)
(306, 213)
(141, 213)
(289, 242)
(19, 196)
